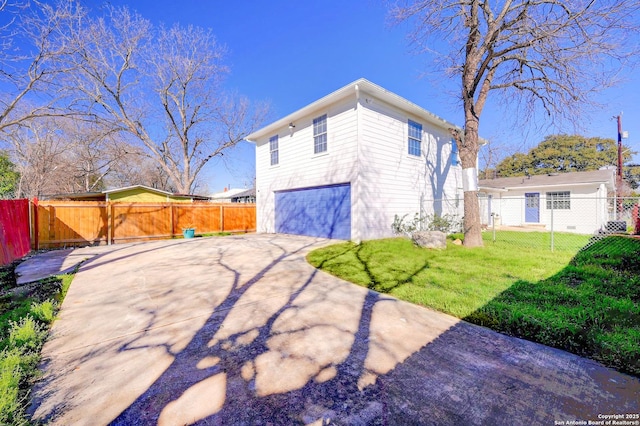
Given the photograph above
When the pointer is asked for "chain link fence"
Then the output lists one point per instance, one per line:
(556, 221)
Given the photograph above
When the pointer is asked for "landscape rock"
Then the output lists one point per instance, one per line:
(430, 239)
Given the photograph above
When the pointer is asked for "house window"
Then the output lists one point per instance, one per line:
(320, 134)
(559, 200)
(415, 138)
(454, 153)
(273, 149)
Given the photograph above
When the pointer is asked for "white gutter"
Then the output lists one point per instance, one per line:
(361, 86)
(507, 188)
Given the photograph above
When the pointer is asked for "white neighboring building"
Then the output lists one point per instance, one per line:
(226, 195)
(345, 165)
(577, 200)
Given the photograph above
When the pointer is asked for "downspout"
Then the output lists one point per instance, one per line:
(355, 193)
(259, 205)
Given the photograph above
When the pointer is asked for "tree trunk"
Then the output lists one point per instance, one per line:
(469, 157)
(471, 223)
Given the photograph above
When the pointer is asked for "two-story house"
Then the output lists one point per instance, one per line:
(345, 165)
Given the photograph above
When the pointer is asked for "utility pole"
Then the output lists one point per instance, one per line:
(619, 183)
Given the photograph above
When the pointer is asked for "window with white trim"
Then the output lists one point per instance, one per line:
(415, 138)
(559, 200)
(320, 134)
(273, 150)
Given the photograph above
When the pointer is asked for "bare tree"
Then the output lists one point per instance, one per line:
(31, 54)
(163, 86)
(39, 155)
(548, 54)
(63, 155)
(138, 169)
(94, 153)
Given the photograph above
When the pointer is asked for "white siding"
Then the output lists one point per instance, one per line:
(588, 212)
(392, 182)
(298, 166)
(367, 147)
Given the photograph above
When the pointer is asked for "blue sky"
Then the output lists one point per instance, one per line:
(292, 53)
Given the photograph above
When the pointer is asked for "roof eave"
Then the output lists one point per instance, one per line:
(545, 185)
(127, 188)
(364, 86)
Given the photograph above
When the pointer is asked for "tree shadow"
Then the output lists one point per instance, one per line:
(386, 286)
(288, 344)
(586, 308)
(239, 357)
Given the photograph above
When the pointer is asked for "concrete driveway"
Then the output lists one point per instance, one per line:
(241, 330)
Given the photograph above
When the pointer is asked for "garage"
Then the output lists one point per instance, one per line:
(322, 211)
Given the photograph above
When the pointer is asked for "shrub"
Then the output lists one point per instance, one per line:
(44, 312)
(10, 377)
(446, 223)
(26, 334)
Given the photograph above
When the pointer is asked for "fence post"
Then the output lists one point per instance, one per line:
(35, 223)
(552, 202)
(493, 221)
(109, 223)
(221, 218)
(172, 219)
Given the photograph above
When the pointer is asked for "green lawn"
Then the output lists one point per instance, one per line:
(24, 323)
(587, 304)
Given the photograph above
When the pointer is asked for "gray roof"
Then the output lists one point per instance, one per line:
(248, 193)
(606, 176)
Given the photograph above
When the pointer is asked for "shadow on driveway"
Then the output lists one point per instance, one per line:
(241, 330)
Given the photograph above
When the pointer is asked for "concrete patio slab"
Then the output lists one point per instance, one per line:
(56, 262)
(241, 330)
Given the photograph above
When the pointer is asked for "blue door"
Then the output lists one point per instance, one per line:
(323, 211)
(532, 207)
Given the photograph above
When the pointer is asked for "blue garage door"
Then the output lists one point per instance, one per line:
(323, 211)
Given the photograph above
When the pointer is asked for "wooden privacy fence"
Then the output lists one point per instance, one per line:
(15, 239)
(73, 223)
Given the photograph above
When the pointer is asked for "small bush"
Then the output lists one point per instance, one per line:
(26, 334)
(446, 223)
(44, 312)
(11, 374)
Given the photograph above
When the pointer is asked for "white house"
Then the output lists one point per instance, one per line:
(227, 195)
(345, 165)
(569, 202)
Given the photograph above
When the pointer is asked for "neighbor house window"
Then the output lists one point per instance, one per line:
(559, 200)
(320, 134)
(415, 138)
(273, 149)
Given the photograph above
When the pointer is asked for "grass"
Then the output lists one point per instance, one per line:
(562, 241)
(586, 303)
(216, 234)
(24, 322)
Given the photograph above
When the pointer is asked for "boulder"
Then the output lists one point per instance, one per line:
(430, 239)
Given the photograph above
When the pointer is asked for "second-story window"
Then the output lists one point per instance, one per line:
(415, 138)
(273, 149)
(320, 134)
